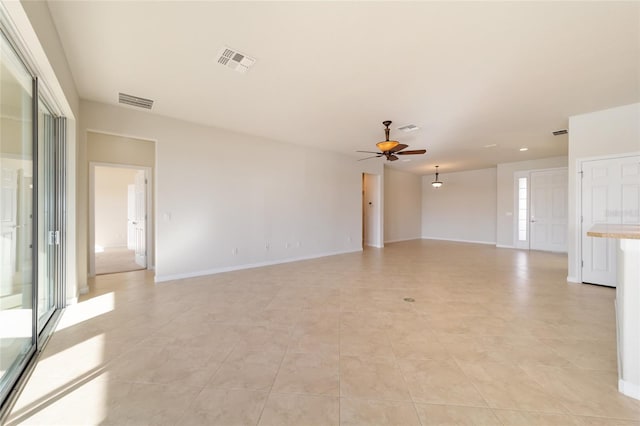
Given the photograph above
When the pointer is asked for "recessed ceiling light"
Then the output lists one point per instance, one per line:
(491, 145)
(524, 149)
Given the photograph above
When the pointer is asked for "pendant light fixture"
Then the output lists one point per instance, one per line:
(436, 183)
(387, 145)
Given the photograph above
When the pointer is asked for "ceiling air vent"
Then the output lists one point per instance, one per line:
(560, 132)
(408, 128)
(135, 101)
(235, 60)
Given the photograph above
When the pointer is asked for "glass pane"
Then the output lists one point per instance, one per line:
(522, 209)
(47, 246)
(16, 212)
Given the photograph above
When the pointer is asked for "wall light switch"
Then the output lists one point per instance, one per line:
(166, 216)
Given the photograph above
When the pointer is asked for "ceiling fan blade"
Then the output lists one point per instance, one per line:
(412, 152)
(398, 147)
(392, 158)
(373, 156)
(371, 152)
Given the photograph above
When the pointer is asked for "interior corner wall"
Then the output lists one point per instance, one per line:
(597, 134)
(506, 194)
(266, 202)
(463, 209)
(402, 205)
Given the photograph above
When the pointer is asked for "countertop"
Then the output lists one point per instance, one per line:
(615, 231)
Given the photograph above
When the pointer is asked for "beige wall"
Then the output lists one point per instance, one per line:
(463, 209)
(219, 208)
(402, 205)
(111, 186)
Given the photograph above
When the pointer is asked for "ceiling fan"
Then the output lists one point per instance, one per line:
(391, 149)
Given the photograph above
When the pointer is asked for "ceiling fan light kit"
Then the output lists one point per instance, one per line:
(436, 183)
(391, 149)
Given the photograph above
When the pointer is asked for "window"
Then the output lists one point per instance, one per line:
(522, 209)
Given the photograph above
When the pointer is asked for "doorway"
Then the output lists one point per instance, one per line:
(541, 220)
(610, 193)
(371, 211)
(119, 200)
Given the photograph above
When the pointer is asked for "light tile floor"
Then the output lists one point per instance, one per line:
(494, 336)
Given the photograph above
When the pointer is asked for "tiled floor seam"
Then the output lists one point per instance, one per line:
(275, 377)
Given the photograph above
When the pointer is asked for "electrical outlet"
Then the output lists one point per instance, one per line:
(234, 251)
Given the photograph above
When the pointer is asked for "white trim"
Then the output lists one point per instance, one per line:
(402, 239)
(573, 280)
(630, 389)
(163, 278)
(374, 245)
(424, 237)
(504, 246)
(83, 290)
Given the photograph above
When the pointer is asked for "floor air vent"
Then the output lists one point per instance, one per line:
(135, 101)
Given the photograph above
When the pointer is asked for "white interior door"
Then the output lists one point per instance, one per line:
(548, 213)
(140, 222)
(610, 194)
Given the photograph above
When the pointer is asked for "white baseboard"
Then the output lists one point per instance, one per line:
(573, 280)
(83, 289)
(374, 245)
(403, 239)
(504, 246)
(492, 243)
(163, 278)
(630, 389)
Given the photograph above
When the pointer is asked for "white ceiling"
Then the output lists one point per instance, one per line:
(328, 73)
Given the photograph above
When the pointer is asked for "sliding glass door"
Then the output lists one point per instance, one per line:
(17, 338)
(49, 232)
(31, 217)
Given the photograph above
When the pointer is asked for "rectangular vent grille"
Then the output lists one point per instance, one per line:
(408, 128)
(135, 101)
(560, 132)
(235, 60)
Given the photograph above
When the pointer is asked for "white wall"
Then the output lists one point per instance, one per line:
(402, 205)
(601, 133)
(212, 200)
(111, 201)
(463, 209)
(506, 192)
